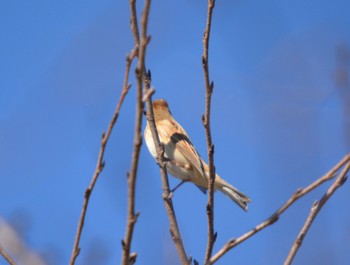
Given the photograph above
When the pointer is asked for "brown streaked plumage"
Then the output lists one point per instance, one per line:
(184, 162)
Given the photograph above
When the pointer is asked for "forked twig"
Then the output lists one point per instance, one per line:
(315, 209)
(274, 217)
(209, 86)
(100, 162)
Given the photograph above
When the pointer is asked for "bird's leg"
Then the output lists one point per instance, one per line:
(176, 187)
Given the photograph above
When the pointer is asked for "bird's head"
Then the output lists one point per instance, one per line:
(161, 109)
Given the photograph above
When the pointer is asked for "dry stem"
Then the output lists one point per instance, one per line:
(100, 162)
(206, 122)
(174, 229)
(274, 217)
(132, 217)
(315, 209)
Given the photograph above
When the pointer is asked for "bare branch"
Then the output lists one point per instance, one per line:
(148, 92)
(6, 256)
(133, 22)
(100, 162)
(316, 207)
(274, 217)
(132, 217)
(174, 228)
(206, 122)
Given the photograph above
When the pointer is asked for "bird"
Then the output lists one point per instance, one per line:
(182, 159)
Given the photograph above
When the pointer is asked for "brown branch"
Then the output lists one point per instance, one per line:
(133, 22)
(315, 209)
(174, 228)
(132, 216)
(274, 217)
(140, 69)
(206, 122)
(148, 92)
(6, 256)
(100, 162)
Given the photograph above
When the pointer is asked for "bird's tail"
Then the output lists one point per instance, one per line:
(234, 194)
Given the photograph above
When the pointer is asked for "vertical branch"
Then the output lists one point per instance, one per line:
(315, 209)
(209, 86)
(132, 216)
(100, 162)
(174, 229)
(6, 256)
(133, 22)
(140, 69)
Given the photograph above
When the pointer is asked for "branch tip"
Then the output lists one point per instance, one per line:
(209, 208)
(204, 61)
(148, 94)
(273, 218)
(172, 233)
(299, 190)
(87, 193)
(343, 180)
(211, 87)
(149, 75)
(211, 149)
(232, 241)
(315, 205)
(132, 258)
(137, 72)
(215, 236)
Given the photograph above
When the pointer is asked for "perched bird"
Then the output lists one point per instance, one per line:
(183, 160)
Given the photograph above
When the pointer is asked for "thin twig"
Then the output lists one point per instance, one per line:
(148, 92)
(140, 69)
(316, 207)
(100, 162)
(174, 228)
(6, 256)
(209, 86)
(274, 217)
(133, 22)
(132, 217)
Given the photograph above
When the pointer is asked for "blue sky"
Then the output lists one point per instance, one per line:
(279, 121)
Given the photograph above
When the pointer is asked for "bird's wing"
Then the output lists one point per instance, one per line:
(170, 129)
